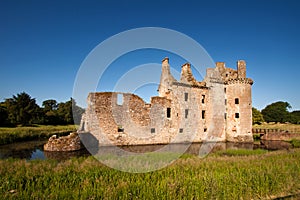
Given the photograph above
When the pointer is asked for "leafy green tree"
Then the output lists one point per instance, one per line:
(50, 115)
(295, 117)
(77, 112)
(257, 117)
(3, 115)
(49, 105)
(22, 109)
(65, 112)
(277, 112)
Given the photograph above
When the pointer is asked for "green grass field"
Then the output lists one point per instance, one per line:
(10, 135)
(239, 175)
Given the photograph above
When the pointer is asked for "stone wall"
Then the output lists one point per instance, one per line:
(130, 123)
(280, 136)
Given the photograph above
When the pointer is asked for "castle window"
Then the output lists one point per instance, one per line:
(203, 114)
(186, 113)
(168, 112)
(237, 115)
(203, 98)
(236, 100)
(82, 127)
(205, 129)
(120, 99)
(225, 102)
(120, 129)
(186, 96)
(152, 130)
(225, 115)
(181, 130)
(224, 90)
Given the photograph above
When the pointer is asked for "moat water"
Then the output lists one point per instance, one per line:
(32, 150)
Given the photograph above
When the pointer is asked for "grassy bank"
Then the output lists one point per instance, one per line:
(10, 135)
(262, 176)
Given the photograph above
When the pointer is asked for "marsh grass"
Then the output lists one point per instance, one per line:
(295, 143)
(16, 134)
(240, 152)
(260, 176)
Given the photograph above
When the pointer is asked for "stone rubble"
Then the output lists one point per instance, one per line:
(65, 143)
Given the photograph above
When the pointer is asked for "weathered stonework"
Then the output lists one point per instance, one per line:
(280, 136)
(219, 108)
(65, 143)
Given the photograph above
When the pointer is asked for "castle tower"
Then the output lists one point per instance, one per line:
(166, 79)
(239, 106)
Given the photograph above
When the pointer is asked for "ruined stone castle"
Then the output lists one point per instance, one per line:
(219, 108)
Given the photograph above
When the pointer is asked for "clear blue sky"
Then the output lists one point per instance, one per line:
(43, 43)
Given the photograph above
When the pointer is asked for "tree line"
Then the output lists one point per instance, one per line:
(276, 112)
(23, 110)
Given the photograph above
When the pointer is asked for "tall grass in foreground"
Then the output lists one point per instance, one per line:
(240, 152)
(215, 177)
(10, 135)
(295, 143)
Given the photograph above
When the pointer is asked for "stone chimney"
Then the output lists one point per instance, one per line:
(241, 68)
(186, 73)
(165, 61)
(166, 79)
(220, 65)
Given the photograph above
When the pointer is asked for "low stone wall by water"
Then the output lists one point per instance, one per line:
(65, 143)
(283, 136)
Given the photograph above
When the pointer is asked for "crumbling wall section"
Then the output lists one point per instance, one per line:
(139, 111)
(133, 122)
(187, 76)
